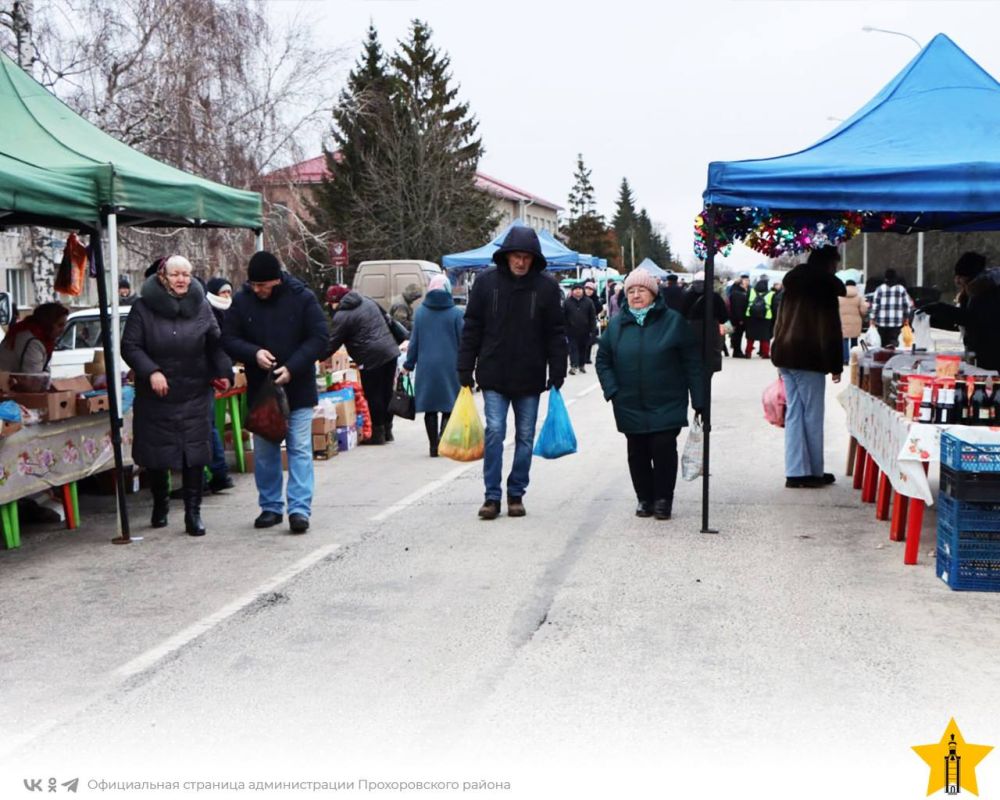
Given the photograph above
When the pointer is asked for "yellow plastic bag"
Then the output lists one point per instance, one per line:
(464, 438)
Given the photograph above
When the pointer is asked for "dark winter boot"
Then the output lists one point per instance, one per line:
(159, 485)
(192, 501)
(431, 426)
(388, 430)
(378, 435)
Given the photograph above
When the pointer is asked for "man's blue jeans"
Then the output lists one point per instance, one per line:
(805, 393)
(525, 416)
(267, 467)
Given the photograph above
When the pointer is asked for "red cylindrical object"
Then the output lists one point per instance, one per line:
(914, 524)
(897, 527)
(871, 477)
(882, 497)
(859, 466)
(67, 499)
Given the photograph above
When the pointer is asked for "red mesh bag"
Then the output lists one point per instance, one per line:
(361, 405)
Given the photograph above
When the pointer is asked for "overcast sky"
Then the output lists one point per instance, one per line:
(655, 91)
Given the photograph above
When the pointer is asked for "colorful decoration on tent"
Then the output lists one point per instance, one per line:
(773, 234)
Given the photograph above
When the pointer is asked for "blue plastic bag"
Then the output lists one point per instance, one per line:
(556, 439)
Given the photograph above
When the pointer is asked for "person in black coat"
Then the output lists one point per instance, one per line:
(673, 293)
(693, 310)
(581, 320)
(172, 342)
(219, 293)
(739, 298)
(276, 326)
(514, 333)
(360, 324)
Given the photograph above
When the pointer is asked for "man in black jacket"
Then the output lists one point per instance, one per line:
(581, 320)
(513, 334)
(673, 293)
(275, 325)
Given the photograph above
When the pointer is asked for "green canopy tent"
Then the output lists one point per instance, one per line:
(57, 169)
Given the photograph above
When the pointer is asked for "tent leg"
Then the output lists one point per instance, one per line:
(113, 407)
(258, 241)
(708, 348)
(115, 371)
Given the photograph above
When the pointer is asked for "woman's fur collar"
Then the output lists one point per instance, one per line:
(162, 303)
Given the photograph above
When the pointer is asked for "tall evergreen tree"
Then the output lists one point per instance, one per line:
(586, 230)
(624, 220)
(408, 150)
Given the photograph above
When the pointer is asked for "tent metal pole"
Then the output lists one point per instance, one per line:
(115, 372)
(258, 241)
(113, 407)
(708, 352)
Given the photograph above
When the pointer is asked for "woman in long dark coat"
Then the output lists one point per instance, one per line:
(172, 342)
(433, 352)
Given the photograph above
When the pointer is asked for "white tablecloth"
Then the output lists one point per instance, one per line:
(899, 446)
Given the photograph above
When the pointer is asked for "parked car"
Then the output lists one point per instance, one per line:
(81, 338)
(384, 280)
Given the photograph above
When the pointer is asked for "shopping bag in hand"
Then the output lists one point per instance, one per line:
(556, 438)
(269, 412)
(691, 459)
(775, 400)
(403, 403)
(464, 438)
(872, 338)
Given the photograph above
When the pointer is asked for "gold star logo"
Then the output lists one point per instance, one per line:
(952, 762)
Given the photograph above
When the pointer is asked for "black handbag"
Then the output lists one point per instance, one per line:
(403, 404)
(396, 328)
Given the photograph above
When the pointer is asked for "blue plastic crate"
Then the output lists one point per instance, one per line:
(967, 574)
(964, 456)
(963, 515)
(968, 543)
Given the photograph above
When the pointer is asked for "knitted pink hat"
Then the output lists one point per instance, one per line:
(639, 277)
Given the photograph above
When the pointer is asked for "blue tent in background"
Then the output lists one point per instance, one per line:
(926, 148)
(556, 253)
(652, 268)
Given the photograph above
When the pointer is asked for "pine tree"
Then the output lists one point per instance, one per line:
(624, 221)
(586, 230)
(363, 106)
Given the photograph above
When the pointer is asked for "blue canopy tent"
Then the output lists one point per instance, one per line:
(923, 154)
(652, 268)
(556, 253)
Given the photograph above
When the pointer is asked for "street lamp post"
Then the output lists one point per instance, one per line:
(920, 234)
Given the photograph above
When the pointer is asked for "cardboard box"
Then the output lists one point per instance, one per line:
(323, 425)
(240, 379)
(347, 414)
(94, 404)
(340, 361)
(53, 406)
(347, 438)
(9, 428)
(77, 385)
(325, 446)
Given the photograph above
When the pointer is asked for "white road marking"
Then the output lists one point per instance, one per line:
(202, 626)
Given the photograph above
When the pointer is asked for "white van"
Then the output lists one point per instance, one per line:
(384, 280)
(81, 338)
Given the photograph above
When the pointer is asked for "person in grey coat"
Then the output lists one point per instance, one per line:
(433, 352)
(360, 324)
(402, 309)
(173, 343)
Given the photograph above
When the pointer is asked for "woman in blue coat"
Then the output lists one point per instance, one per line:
(433, 353)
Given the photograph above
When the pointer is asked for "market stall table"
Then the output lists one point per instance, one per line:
(893, 454)
(57, 454)
(235, 401)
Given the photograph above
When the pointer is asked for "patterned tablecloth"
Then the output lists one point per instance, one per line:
(39, 457)
(899, 446)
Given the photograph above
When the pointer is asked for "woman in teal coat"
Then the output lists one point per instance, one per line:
(648, 364)
(433, 352)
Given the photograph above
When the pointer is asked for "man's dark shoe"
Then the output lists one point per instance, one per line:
(489, 509)
(267, 519)
(661, 509)
(583, 369)
(218, 484)
(644, 509)
(515, 507)
(805, 482)
(828, 478)
(298, 523)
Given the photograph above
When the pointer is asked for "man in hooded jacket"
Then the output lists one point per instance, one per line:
(514, 333)
(402, 309)
(275, 326)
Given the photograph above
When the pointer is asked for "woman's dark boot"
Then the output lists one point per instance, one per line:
(192, 501)
(377, 437)
(159, 485)
(431, 426)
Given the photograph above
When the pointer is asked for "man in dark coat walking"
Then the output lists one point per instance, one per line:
(581, 320)
(739, 299)
(275, 325)
(514, 333)
(673, 293)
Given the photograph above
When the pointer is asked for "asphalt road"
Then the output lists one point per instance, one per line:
(577, 652)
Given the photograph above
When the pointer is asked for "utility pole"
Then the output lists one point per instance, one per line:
(633, 248)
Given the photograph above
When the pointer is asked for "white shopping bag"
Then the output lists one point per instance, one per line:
(872, 338)
(691, 459)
